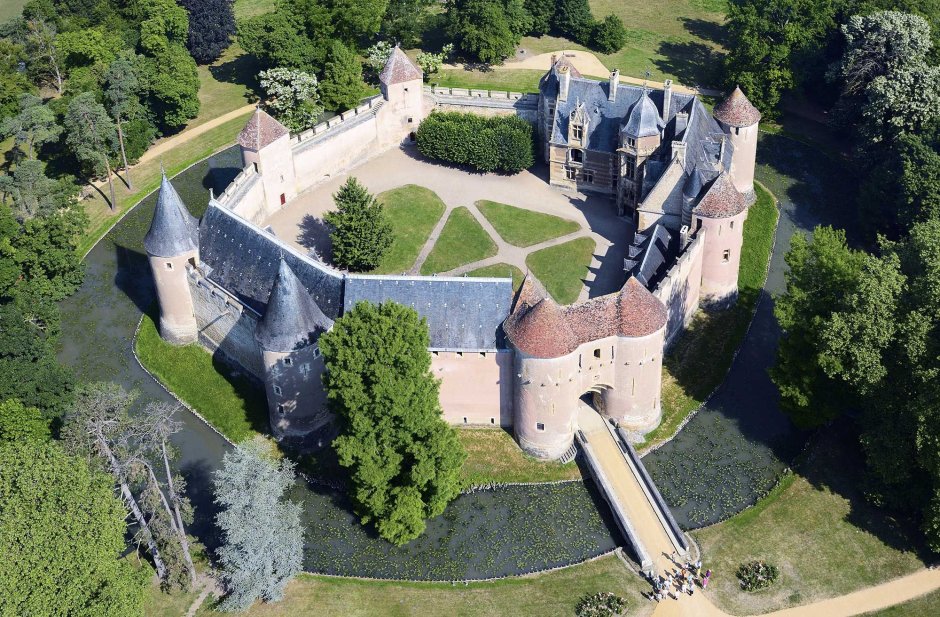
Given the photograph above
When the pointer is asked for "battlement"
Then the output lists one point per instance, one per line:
(370, 107)
(485, 102)
(241, 185)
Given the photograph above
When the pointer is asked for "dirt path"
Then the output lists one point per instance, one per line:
(164, 146)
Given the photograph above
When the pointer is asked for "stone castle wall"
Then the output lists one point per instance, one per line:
(680, 289)
(476, 388)
(484, 102)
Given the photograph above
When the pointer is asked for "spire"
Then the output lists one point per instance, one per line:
(736, 110)
(643, 119)
(292, 319)
(173, 230)
(399, 68)
(262, 130)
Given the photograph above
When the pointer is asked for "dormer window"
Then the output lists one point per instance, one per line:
(577, 156)
(577, 132)
(631, 142)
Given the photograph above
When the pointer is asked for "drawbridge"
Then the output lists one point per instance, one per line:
(639, 509)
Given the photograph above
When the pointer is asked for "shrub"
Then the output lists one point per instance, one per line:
(610, 35)
(756, 575)
(602, 604)
(487, 144)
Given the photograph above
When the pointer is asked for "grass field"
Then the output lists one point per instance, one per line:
(10, 9)
(521, 227)
(250, 8)
(463, 240)
(562, 268)
(499, 270)
(233, 405)
(413, 212)
(494, 456)
(699, 360)
(549, 595)
(817, 528)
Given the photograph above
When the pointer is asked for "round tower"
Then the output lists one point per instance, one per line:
(720, 214)
(739, 119)
(288, 335)
(172, 246)
(634, 400)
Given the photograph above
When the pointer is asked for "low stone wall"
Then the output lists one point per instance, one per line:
(680, 288)
(245, 196)
(225, 323)
(370, 107)
(485, 102)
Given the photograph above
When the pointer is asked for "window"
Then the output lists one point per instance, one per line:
(282, 177)
(255, 165)
(597, 353)
(726, 255)
(631, 142)
(737, 130)
(613, 182)
(305, 368)
(280, 409)
(169, 265)
(588, 177)
(630, 165)
(731, 225)
(277, 390)
(539, 426)
(570, 173)
(316, 352)
(577, 132)
(492, 420)
(465, 419)
(288, 361)
(411, 121)
(577, 156)
(551, 109)
(406, 89)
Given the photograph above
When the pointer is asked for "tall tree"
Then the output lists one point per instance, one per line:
(13, 82)
(90, 134)
(61, 537)
(33, 126)
(40, 45)
(405, 21)
(122, 88)
(292, 97)
(404, 460)
(31, 193)
(211, 27)
(360, 233)
(19, 423)
(488, 30)
(356, 20)
(574, 19)
(342, 85)
(169, 71)
(262, 545)
(543, 15)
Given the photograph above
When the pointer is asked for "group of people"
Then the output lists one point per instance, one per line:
(681, 579)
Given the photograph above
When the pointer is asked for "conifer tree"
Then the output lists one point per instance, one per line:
(360, 232)
(342, 85)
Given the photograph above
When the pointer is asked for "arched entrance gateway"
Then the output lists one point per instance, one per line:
(609, 348)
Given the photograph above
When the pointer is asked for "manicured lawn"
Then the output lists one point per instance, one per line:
(232, 404)
(250, 8)
(494, 457)
(521, 227)
(562, 268)
(699, 360)
(520, 80)
(462, 241)
(157, 603)
(498, 270)
(922, 606)
(817, 528)
(413, 212)
(548, 595)
(147, 177)
(10, 9)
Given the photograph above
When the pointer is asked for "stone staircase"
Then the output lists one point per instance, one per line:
(569, 454)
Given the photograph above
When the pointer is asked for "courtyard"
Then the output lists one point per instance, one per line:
(454, 223)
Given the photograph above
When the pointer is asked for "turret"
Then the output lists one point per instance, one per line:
(265, 145)
(720, 215)
(402, 86)
(739, 119)
(640, 137)
(288, 335)
(172, 246)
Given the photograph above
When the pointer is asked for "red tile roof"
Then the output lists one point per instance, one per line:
(399, 68)
(721, 200)
(539, 327)
(736, 110)
(262, 130)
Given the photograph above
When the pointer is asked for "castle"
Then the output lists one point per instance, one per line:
(520, 361)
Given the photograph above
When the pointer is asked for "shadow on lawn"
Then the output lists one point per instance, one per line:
(241, 70)
(692, 63)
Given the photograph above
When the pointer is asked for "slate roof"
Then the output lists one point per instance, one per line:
(736, 110)
(173, 230)
(644, 119)
(463, 313)
(539, 327)
(245, 261)
(703, 138)
(292, 320)
(648, 253)
(721, 200)
(399, 68)
(262, 130)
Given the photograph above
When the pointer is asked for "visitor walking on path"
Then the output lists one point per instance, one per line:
(708, 575)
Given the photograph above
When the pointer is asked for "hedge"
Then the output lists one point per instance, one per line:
(502, 143)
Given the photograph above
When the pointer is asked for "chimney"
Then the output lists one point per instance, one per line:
(678, 151)
(564, 80)
(667, 99)
(682, 122)
(614, 84)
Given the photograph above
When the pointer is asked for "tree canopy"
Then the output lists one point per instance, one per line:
(360, 233)
(211, 28)
(487, 30)
(404, 460)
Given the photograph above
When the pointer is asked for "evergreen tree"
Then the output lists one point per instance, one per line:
(543, 15)
(122, 87)
(211, 28)
(33, 126)
(404, 460)
(342, 85)
(610, 35)
(262, 544)
(573, 18)
(360, 232)
(90, 133)
(61, 538)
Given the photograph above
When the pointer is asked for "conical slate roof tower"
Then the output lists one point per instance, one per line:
(173, 230)
(292, 319)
